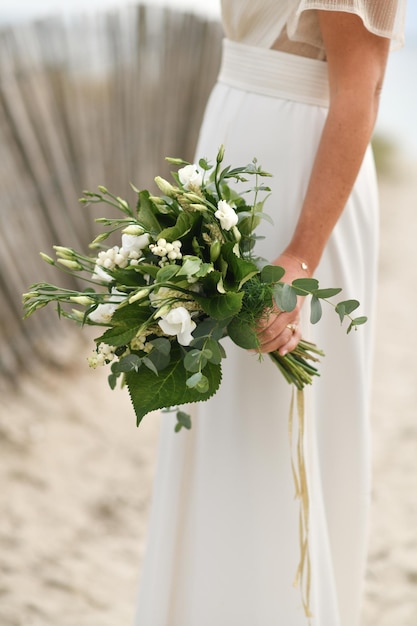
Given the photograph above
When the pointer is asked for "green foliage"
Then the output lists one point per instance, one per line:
(149, 392)
(177, 254)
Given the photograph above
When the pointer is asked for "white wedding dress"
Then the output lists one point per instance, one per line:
(223, 542)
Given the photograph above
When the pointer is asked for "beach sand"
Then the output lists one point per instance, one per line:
(76, 473)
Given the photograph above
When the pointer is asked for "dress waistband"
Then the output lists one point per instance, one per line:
(274, 73)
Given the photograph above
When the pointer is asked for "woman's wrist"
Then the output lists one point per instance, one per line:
(303, 264)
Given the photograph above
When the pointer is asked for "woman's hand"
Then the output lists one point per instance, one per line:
(280, 330)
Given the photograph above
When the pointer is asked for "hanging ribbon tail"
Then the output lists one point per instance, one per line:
(299, 472)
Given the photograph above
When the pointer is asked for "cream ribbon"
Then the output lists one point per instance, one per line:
(299, 472)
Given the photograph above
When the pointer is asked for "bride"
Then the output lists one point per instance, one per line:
(298, 88)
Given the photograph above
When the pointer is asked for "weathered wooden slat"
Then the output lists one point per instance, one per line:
(95, 100)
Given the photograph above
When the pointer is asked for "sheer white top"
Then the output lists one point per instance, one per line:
(261, 22)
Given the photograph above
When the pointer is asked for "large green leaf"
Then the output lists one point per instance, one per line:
(146, 214)
(243, 334)
(125, 323)
(184, 224)
(222, 306)
(239, 270)
(149, 392)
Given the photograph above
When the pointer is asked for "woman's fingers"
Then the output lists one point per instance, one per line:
(282, 333)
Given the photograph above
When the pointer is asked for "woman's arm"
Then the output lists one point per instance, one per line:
(356, 64)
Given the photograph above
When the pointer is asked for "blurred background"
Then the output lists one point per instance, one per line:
(98, 92)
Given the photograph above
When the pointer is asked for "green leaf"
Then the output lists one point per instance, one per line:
(150, 365)
(126, 321)
(118, 335)
(303, 285)
(272, 274)
(285, 297)
(327, 293)
(205, 165)
(162, 345)
(146, 215)
(345, 307)
(315, 310)
(183, 421)
(193, 360)
(194, 380)
(222, 306)
(190, 266)
(183, 225)
(239, 270)
(160, 360)
(166, 273)
(149, 392)
(243, 334)
(216, 351)
(358, 321)
(208, 328)
(112, 380)
(128, 363)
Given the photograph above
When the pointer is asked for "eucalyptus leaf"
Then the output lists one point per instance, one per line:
(193, 360)
(315, 310)
(194, 380)
(357, 321)
(285, 297)
(183, 421)
(272, 274)
(112, 380)
(159, 359)
(161, 344)
(327, 293)
(129, 363)
(345, 307)
(303, 285)
(150, 365)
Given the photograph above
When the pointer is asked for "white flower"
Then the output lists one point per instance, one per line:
(190, 177)
(100, 274)
(104, 312)
(178, 322)
(226, 215)
(134, 243)
(103, 355)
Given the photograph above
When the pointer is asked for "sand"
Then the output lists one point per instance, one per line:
(76, 473)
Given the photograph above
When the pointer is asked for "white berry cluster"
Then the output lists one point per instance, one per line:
(167, 251)
(102, 356)
(117, 257)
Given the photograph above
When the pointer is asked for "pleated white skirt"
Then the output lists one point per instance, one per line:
(223, 542)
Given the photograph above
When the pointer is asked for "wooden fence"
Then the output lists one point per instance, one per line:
(97, 100)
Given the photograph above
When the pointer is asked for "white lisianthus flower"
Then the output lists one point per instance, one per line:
(226, 215)
(190, 177)
(178, 322)
(104, 312)
(135, 243)
(100, 274)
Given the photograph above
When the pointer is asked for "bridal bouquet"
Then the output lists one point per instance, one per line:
(185, 276)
